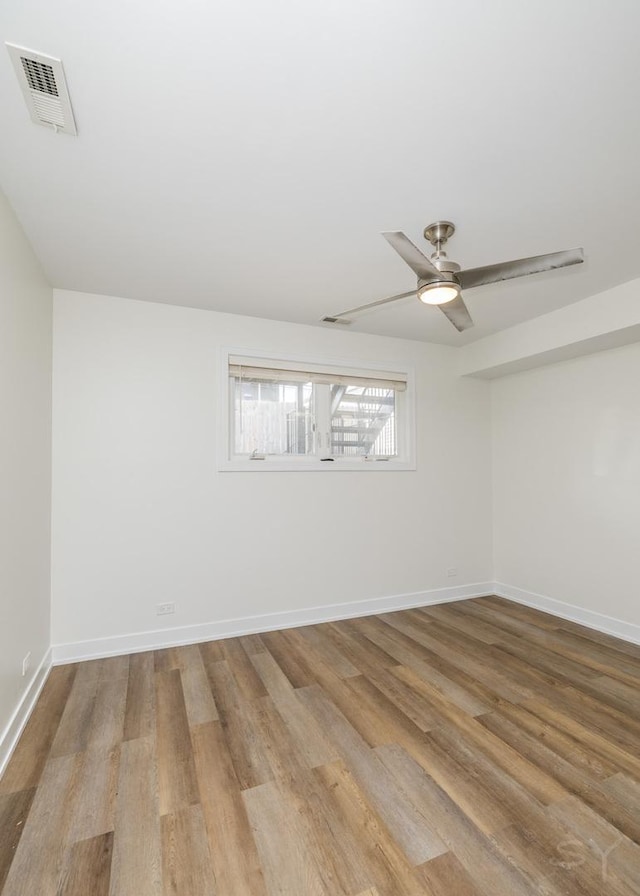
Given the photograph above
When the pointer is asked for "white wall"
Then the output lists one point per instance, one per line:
(25, 465)
(566, 467)
(609, 319)
(142, 516)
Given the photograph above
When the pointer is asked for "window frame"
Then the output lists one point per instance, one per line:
(405, 419)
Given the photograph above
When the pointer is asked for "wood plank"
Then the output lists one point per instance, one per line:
(252, 644)
(615, 856)
(409, 828)
(307, 738)
(539, 784)
(451, 616)
(622, 728)
(327, 837)
(93, 804)
(375, 717)
(534, 631)
(620, 758)
(504, 789)
(599, 659)
(89, 672)
(14, 809)
(186, 859)
(607, 660)
(445, 876)
(177, 785)
(475, 851)
(140, 713)
(92, 671)
(37, 864)
(366, 657)
(198, 699)
(238, 718)
(626, 792)
(33, 750)
(115, 667)
(560, 744)
(297, 672)
(502, 607)
(233, 851)
(74, 727)
(136, 866)
(565, 670)
(388, 866)
(310, 661)
(612, 693)
(287, 867)
(332, 655)
(247, 679)
(211, 652)
(88, 861)
(107, 721)
(591, 635)
(362, 652)
(458, 688)
(167, 660)
(546, 852)
(575, 780)
(437, 664)
(467, 790)
(455, 649)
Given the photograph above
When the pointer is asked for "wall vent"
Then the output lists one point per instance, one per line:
(45, 89)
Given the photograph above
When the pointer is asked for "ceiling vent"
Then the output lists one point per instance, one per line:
(45, 89)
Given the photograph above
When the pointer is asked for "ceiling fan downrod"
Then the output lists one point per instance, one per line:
(437, 234)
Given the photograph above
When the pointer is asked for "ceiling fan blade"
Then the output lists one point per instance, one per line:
(418, 262)
(457, 313)
(507, 270)
(403, 295)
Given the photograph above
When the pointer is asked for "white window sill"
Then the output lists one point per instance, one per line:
(312, 465)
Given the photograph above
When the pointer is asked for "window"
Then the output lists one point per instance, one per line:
(286, 414)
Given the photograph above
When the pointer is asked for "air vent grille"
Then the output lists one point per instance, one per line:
(39, 76)
(44, 88)
(335, 320)
(48, 111)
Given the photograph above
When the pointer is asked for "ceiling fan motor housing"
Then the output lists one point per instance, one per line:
(446, 277)
(447, 268)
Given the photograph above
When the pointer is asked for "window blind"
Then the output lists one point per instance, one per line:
(253, 369)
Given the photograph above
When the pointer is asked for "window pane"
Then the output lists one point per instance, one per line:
(363, 421)
(273, 418)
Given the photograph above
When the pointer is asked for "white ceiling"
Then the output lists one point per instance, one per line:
(245, 156)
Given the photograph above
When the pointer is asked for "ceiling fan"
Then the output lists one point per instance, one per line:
(440, 281)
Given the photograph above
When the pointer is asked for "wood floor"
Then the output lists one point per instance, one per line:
(472, 749)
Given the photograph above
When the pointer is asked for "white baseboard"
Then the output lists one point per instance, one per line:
(246, 625)
(609, 625)
(20, 717)
(228, 628)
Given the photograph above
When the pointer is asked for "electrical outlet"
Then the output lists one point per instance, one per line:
(26, 664)
(452, 571)
(165, 609)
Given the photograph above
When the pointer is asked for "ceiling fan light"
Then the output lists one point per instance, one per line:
(438, 293)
